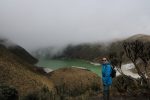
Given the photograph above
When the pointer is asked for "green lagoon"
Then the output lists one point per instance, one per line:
(60, 63)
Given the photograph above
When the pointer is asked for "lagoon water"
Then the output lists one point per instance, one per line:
(60, 63)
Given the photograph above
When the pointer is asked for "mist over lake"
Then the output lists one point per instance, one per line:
(37, 24)
(53, 49)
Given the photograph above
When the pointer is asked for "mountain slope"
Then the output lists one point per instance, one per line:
(23, 54)
(19, 74)
(140, 37)
(18, 51)
(16, 73)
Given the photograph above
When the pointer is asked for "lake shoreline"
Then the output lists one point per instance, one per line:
(48, 66)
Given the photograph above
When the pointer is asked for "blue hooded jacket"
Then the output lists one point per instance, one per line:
(106, 71)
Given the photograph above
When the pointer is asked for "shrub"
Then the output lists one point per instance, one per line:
(43, 94)
(8, 93)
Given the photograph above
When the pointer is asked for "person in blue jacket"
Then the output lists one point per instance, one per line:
(106, 77)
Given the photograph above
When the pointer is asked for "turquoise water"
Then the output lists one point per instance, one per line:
(60, 63)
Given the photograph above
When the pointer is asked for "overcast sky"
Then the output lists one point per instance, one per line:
(35, 23)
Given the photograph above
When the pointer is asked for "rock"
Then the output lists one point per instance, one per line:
(47, 70)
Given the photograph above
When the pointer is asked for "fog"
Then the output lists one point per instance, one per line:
(41, 23)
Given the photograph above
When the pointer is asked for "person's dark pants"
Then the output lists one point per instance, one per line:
(105, 92)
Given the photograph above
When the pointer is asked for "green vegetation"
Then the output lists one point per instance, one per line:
(137, 51)
(84, 51)
(8, 93)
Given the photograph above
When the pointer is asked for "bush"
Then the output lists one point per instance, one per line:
(126, 85)
(76, 84)
(43, 94)
(8, 93)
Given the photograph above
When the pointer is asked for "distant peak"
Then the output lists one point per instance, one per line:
(2, 40)
(142, 37)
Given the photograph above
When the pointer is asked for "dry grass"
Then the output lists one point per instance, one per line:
(62, 84)
(18, 75)
(140, 37)
(75, 82)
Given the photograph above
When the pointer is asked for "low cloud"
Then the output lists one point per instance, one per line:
(40, 23)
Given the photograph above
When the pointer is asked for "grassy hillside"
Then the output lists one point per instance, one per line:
(75, 83)
(23, 54)
(140, 37)
(31, 83)
(67, 83)
(89, 51)
(15, 72)
(18, 51)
